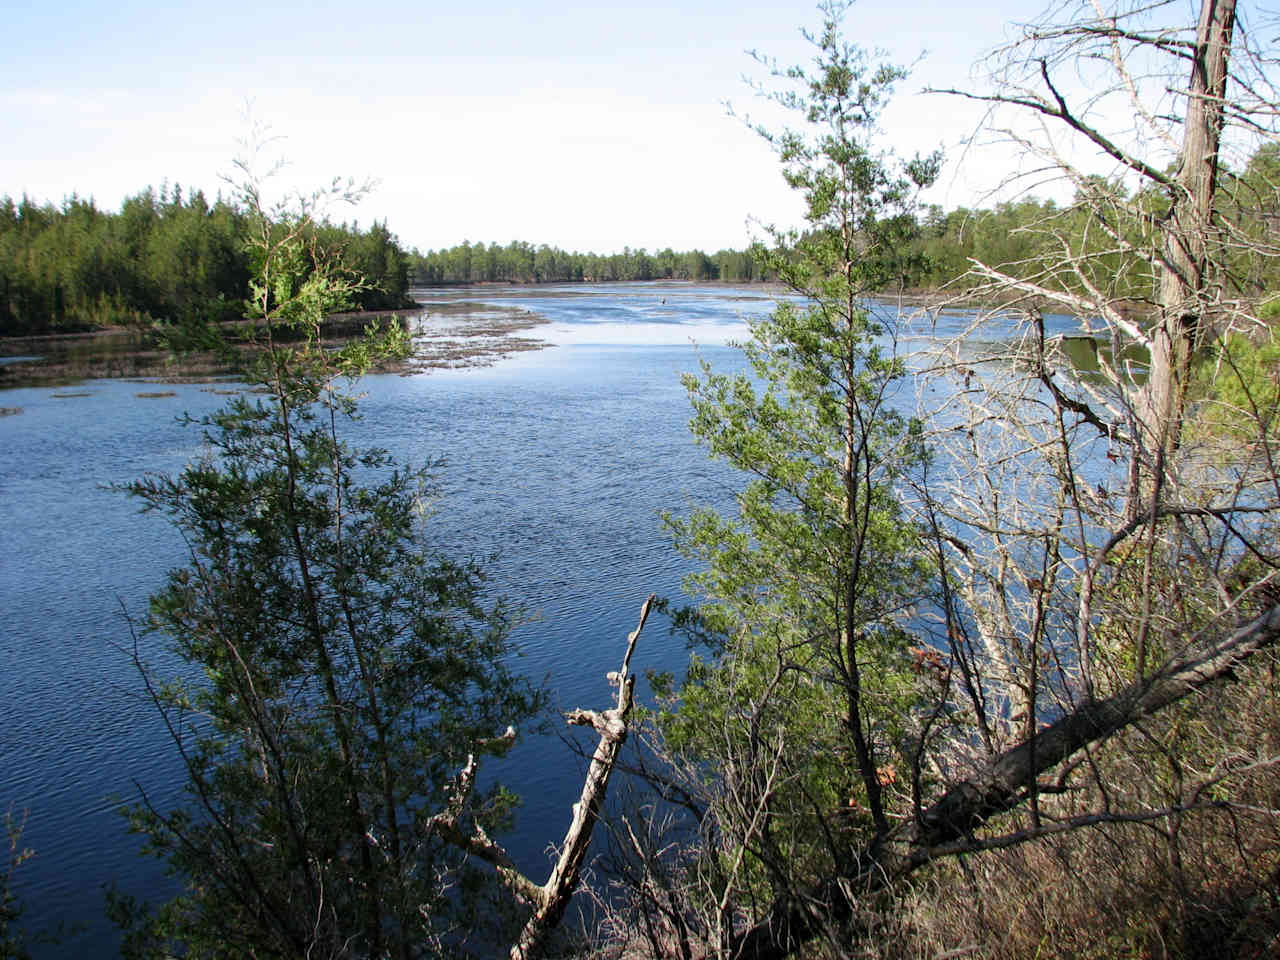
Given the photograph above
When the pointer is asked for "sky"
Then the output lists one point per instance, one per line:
(587, 126)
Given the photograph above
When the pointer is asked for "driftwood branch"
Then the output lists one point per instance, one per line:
(549, 900)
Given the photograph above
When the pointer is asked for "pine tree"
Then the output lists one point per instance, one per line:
(798, 712)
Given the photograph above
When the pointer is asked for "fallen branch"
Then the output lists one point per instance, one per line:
(550, 899)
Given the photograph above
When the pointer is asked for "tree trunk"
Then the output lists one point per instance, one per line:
(1185, 283)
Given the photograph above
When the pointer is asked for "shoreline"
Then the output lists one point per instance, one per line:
(450, 327)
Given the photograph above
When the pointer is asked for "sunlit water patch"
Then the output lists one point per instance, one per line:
(635, 314)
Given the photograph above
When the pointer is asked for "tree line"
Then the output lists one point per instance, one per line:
(520, 262)
(1106, 222)
(176, 258)
(165, 257)
(1022, 236)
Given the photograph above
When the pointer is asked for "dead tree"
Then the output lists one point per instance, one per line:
(1156, 209)
(1186, 274)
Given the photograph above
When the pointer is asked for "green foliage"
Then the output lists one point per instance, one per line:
(176, 260)
(1250, 204)
(808, 681)
(1237, 384)
(1025, 237)
(163, 258)
(344, 672)
(520, 262)
(1006, 235)
(376, 257)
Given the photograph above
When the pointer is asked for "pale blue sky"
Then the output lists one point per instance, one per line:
(584, 125)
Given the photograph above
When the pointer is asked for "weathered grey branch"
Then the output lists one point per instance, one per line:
(966, 806)
(550, 899)
(477, 842)
(612, 727)
(1059, 110)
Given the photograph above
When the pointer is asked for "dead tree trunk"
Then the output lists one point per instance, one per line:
(1185, 278)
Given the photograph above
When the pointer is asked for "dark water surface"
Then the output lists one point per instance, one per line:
(559, 461)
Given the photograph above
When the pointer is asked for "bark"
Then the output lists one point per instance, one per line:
(1185, 279)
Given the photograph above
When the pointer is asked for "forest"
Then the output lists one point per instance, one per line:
(165, 257)
(173, 259)
(991, 674)
(519, 262)
(1017, 234)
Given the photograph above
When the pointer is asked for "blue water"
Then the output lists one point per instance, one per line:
(558, 461)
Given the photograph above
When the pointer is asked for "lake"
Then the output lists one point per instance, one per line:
(559, 461)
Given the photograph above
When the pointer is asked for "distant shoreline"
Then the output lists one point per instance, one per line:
(449, 327)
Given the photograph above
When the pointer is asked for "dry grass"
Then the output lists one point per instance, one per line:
(1203, 884)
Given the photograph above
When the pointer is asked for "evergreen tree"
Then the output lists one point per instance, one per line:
(797, 715)
(347, 672)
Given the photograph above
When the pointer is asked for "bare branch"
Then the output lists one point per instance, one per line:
(550, 899)
(612, 727)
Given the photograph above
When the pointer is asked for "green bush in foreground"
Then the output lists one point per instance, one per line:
(346, 673)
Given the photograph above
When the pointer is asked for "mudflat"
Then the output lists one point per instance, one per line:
(446, 332)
